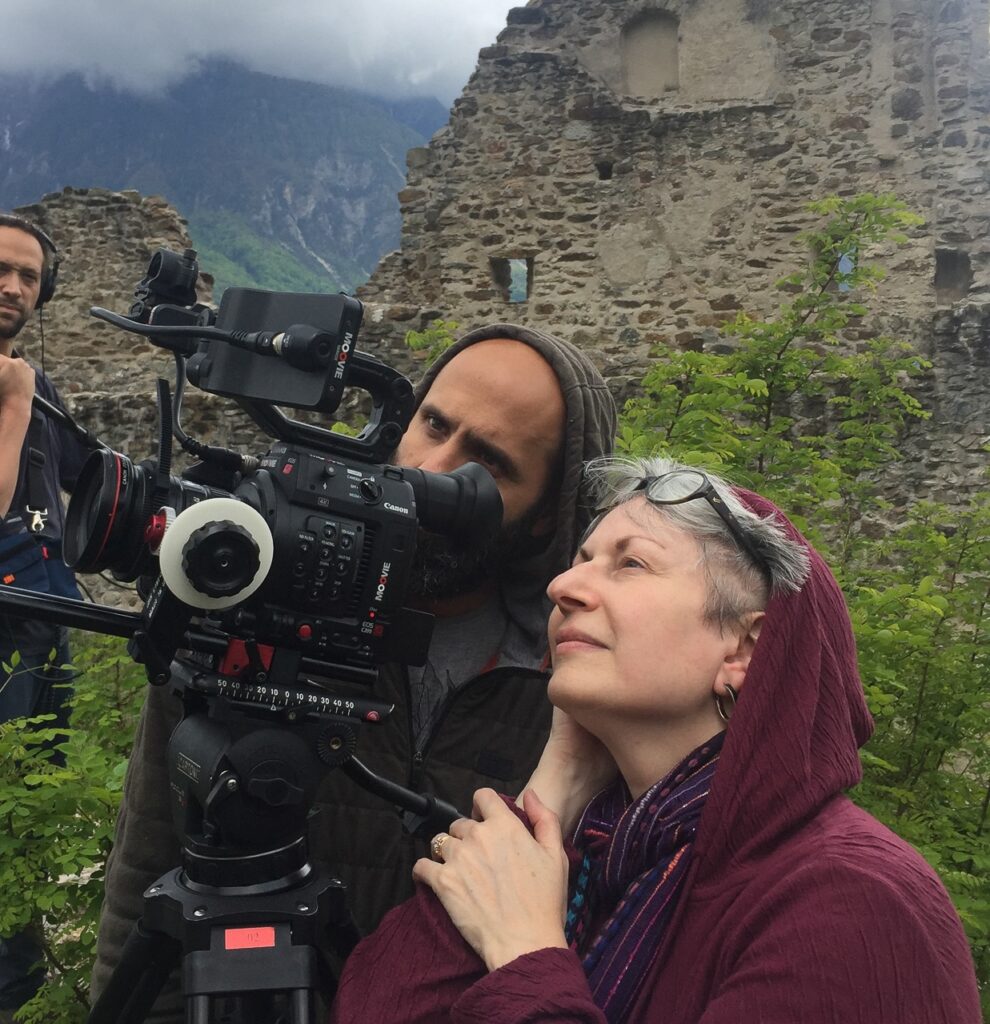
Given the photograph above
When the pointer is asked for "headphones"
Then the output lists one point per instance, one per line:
(52, 257)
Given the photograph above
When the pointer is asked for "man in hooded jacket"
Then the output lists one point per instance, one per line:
(532, 409)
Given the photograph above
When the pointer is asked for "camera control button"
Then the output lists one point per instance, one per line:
(370, 490)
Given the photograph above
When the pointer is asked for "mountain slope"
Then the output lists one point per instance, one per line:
(308, 173)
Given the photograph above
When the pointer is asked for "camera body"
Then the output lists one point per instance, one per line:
(340, 537)
(307, 548)
(344, 538)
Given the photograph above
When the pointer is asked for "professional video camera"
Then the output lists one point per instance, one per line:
(314, 553)
(259, 576)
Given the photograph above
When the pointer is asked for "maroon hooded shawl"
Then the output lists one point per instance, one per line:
(797, 907)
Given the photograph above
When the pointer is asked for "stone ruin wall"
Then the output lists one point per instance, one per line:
(105, 375)
(655, 218)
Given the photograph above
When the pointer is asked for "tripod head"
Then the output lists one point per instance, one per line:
(247, 909)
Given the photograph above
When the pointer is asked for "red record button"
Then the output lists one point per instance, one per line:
(305, 631)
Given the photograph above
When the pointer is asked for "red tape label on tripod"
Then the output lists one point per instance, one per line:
(248, 938)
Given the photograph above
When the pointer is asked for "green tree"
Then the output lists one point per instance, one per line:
(921, 614)
(797, 412)
(433, 340)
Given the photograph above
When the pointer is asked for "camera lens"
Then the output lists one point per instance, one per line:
(172, 277)
(110, 508)
(105, 520)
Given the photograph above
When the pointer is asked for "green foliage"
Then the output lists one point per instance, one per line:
(58, 820)
(921, 613)
(239, 257)
(433, 340)
(797, 411)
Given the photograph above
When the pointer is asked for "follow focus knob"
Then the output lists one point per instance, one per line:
(216, 554)
(220, 558)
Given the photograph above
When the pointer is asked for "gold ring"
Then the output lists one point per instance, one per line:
(436, 846)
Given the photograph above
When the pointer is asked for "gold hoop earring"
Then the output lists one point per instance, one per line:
(723, 713)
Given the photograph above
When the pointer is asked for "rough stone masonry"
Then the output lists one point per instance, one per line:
(644, 168)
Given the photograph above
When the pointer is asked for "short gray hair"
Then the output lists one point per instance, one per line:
(736, 585)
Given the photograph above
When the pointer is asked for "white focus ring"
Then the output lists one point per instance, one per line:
(192, 519)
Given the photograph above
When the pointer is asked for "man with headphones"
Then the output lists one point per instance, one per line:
(38, 459)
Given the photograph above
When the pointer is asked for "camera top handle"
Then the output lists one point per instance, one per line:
(391, 393)
(392, 406)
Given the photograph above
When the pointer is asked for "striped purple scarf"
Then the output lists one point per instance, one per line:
(635, 858)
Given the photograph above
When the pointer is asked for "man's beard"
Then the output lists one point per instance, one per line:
(444, 568)
(9, 331)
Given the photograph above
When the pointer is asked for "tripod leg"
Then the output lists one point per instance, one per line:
(302, 1005)
(145, 963)
(198, 1010)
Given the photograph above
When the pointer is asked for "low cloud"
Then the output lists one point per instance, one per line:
(386, 47)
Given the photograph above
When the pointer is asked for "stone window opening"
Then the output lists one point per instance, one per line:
(838, 272)
(953, 276)
(649, 50)
(845, 266)
(604, 168)
(513, 277)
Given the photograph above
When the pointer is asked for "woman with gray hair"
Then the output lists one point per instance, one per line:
(708, 715)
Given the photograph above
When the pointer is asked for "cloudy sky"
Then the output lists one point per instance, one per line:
(388, 47)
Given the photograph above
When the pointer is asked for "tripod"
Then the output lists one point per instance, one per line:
(245, 917)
